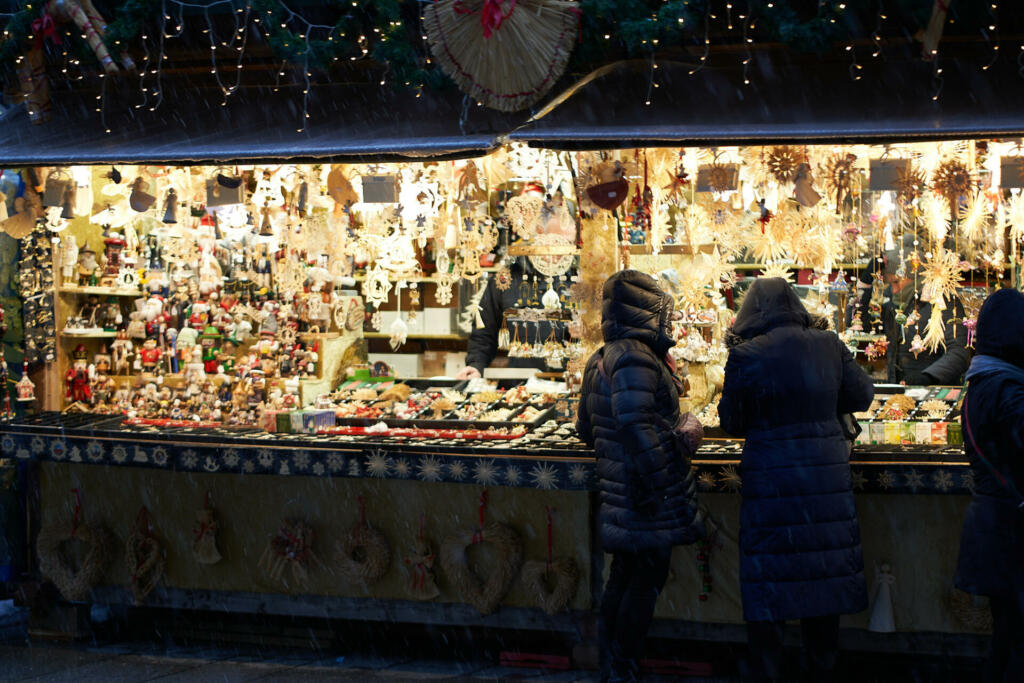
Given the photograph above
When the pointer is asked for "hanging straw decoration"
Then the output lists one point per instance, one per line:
(504, 53)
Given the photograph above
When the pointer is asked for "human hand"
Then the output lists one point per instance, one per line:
(468, 372)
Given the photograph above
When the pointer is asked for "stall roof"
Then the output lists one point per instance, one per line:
(790, 98)
(347, 122)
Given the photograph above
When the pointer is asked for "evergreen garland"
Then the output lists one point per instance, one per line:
(388, 31)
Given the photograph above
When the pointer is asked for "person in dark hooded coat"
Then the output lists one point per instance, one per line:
(991, 558)
(629, 413)
(800, 553)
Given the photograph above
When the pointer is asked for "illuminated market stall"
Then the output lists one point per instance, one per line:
(233, 342)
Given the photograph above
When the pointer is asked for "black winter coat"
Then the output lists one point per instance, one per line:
(991, 558)
(629, 406)
(800, 552)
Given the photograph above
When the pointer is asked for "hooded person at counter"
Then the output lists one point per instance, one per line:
(991, 558)
(800, 554)
(629, 414)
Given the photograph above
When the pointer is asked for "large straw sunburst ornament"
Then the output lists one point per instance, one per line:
(505, 54)
(782, 162)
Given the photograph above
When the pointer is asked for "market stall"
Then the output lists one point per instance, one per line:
(242, 387)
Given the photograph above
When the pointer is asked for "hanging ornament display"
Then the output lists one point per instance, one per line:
(910, 183)
(524, 213)
(504, 53)
(485, 595)
(376, 286)
(364, 554)
(144, 557)
(553, 582)
(782, 162)
(73, 585)
(839, 176)
(952, 180)
(204, 543)
(420, 563)
(443, 293)
(291, 547)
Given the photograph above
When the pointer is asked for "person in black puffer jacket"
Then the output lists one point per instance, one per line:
(991, 558)
(629, 413)
(800, 553)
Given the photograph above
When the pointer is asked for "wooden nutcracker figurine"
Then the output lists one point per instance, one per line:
(77, 377)
(150, 355)
(210, 341)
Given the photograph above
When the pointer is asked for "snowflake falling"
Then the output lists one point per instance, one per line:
(915, 480)
(485, 473)
(578, 475)
(967, 480)
(886, 480)
(544, 475)
(512, 475)
(231, 457)
(402, 468)
(457, 471)
(335, 462)
(265, 456)
(430, 468)
(859, 480)
(378, 464)
(943, 480)
(188, 458)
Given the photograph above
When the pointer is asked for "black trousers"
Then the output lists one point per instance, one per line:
(627, 607)
(820, 640)
(1006, 659)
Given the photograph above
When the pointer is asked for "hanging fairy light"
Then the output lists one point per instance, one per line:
(707, 39)
(992, 28)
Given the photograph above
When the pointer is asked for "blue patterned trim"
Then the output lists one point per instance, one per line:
(374, 461)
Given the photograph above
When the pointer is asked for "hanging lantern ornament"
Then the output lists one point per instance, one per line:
(505, 54)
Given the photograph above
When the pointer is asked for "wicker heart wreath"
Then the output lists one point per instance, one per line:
(553, 583)
(144, 557)
(485, 596)
(73, 585)
(364, 555)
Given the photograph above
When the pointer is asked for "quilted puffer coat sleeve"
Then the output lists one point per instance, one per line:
(732, 410)
(856, 388)
(634, 378)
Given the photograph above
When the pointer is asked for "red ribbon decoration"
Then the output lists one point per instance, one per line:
(551, 536)
(478, 535)
(43, 28)
(491, 14)
(78, 511)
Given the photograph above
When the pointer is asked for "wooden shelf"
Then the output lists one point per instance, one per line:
(90, 335)
(384, 335)
(103, 291)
